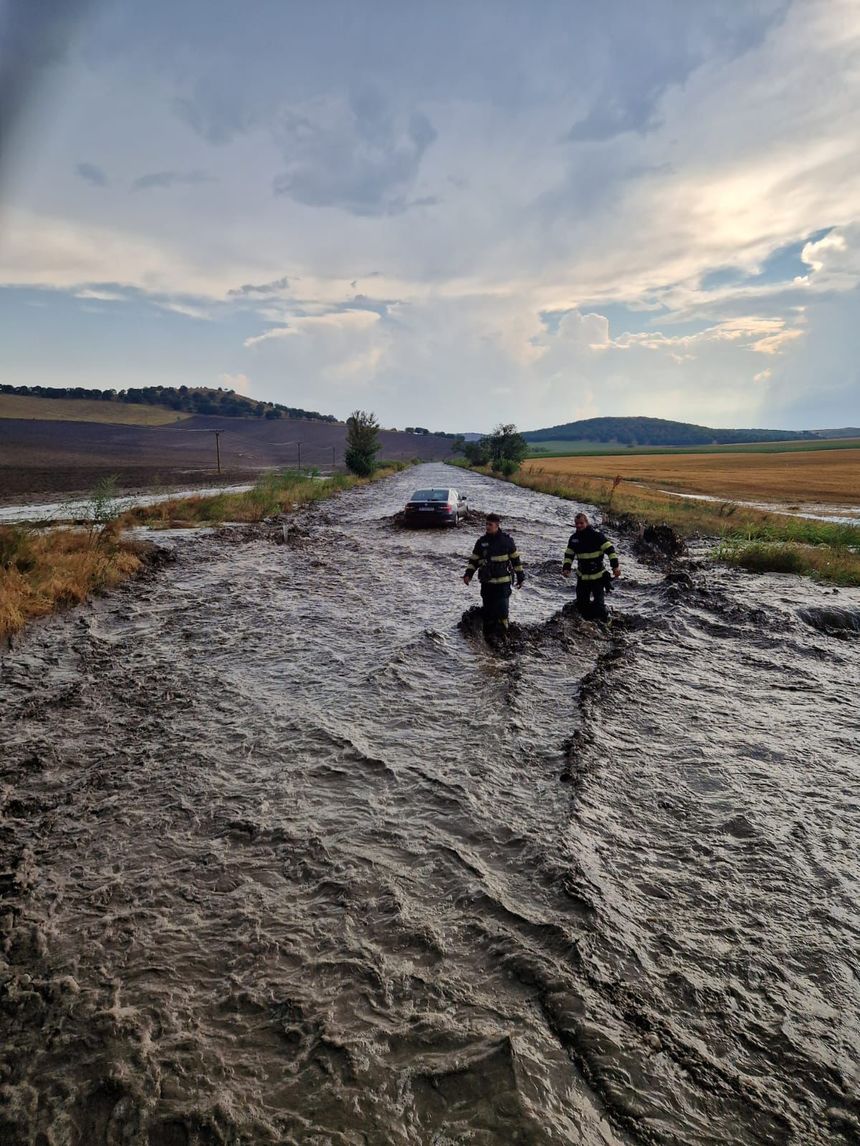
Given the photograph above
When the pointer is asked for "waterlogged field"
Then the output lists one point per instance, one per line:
(86, 410)
(793, 477)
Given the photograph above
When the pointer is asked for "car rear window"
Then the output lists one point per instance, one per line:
(430, 495)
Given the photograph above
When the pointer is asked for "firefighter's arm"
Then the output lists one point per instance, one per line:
(474, 562)
(608, 549)
(568, 558)
(517, 564)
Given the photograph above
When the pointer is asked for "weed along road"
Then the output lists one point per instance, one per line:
(288, 857)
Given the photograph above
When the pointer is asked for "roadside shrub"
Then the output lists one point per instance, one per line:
(16, 550)
(506, 466)
(213, 508)
(359, 462)
(362, 443)
(477, 453)
(103, 505)
(505, 444)
(767, 558)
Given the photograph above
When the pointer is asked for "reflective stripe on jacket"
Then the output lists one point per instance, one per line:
(589, 548)
(495, 559)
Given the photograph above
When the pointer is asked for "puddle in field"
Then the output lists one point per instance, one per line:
(835, 514)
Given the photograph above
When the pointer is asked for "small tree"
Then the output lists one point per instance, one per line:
(458, 444)
(362, 442)
(507, 448)
(476, 453)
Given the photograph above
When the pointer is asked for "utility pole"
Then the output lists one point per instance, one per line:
(217, 434)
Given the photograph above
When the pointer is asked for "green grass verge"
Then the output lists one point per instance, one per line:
(822, 563)
(273, 493)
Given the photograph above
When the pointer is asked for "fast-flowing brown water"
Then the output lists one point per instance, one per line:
(290, 858)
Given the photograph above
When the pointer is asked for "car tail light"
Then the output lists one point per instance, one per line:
(448, 507)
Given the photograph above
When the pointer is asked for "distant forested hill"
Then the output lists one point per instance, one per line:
(188, 399)
(843, 432)
(657, 432)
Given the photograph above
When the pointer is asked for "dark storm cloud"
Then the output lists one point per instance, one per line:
(92, 174)
(256, 289)
(162, 179)
(217, 114)
(359, 155)
(635, 63)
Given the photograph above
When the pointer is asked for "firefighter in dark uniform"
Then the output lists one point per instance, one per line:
(497, 562)
(589, 546)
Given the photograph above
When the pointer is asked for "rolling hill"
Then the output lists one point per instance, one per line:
(658, 432)
(181, 399)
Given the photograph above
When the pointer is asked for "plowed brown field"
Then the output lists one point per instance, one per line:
(825, 476)
(60, 457)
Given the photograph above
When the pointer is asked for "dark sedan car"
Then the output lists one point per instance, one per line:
(435, 507)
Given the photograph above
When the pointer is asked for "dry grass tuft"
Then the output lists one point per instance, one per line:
(43, 572)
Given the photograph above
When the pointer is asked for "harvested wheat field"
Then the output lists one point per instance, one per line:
(87, 410)
(824, 476)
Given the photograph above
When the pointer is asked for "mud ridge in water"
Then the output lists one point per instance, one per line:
(832, 619)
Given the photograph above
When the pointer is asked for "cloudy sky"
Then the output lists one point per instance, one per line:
(452, 213)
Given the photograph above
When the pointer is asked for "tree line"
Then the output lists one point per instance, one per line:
(503, 450)
(184, 399)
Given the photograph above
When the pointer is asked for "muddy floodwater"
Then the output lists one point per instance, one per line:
(289, 857)
(84, 508)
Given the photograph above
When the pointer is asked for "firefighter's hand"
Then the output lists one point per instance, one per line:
(616, 572)
(565, 572)
(466, 580)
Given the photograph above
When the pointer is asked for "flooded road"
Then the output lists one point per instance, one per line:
(290, 858)
(85, 509)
